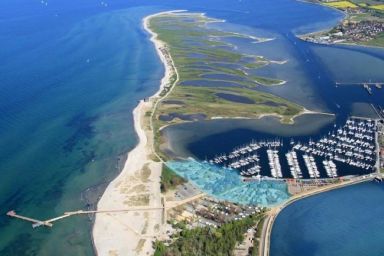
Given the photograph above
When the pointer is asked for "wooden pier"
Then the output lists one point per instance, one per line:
(35, 223)
(49, 223)
(366, 85)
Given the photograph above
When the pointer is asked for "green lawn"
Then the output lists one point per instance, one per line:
(169, 179)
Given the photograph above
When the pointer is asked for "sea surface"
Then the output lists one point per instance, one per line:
(345, 221)
(72, 71)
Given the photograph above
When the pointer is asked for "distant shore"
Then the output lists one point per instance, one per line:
(326, 30)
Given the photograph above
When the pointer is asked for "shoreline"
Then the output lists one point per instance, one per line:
(107, 234)
(326, 30)
(133, 233)
(265, 239)
(110, 236)
(305, 111)
(281, 118)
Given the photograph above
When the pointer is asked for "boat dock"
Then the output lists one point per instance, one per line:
(377, 84)
(366, 85)
(355, 144)
(36, 223)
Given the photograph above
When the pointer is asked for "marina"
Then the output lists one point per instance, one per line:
(352, 144)
(294, 165)
(79, 107)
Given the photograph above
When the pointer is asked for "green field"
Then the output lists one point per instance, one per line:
(379, 7)
(207, 64)
(169, 179)
(204, 100)
(368, 4)
(341, 4)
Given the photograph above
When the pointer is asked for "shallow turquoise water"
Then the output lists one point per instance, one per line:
(226, 184)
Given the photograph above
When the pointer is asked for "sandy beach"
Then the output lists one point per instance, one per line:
(138, 184)
(304, 111)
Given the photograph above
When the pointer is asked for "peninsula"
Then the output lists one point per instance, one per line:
(204, 76)
(208, 77)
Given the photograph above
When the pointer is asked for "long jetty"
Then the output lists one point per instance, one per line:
(377, 84)
(366, 85)
(36, 223)
(49, 222)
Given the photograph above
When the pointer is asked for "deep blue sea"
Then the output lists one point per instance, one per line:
(345, 221)
(72, 71)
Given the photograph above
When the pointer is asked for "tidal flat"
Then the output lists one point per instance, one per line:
(208, 66)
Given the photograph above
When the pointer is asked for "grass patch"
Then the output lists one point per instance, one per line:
(169, 179)
(379, 7)
(341, 4)
(137, 200)
(204, 100)
(140, 246)
(145, 173)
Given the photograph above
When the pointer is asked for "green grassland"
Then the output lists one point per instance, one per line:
(169, 179)
(202, 55)
(204, 100)
(345, 4)
(341, 4)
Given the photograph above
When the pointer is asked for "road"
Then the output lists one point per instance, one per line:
(272, 214)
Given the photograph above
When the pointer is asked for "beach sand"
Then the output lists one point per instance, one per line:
(138, 184)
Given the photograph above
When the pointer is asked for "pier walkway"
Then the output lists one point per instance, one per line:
(49, 223)
(377, 84)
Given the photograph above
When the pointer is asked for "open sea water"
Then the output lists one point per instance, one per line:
(71, 73)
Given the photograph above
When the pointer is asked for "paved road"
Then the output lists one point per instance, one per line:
(263, 237)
